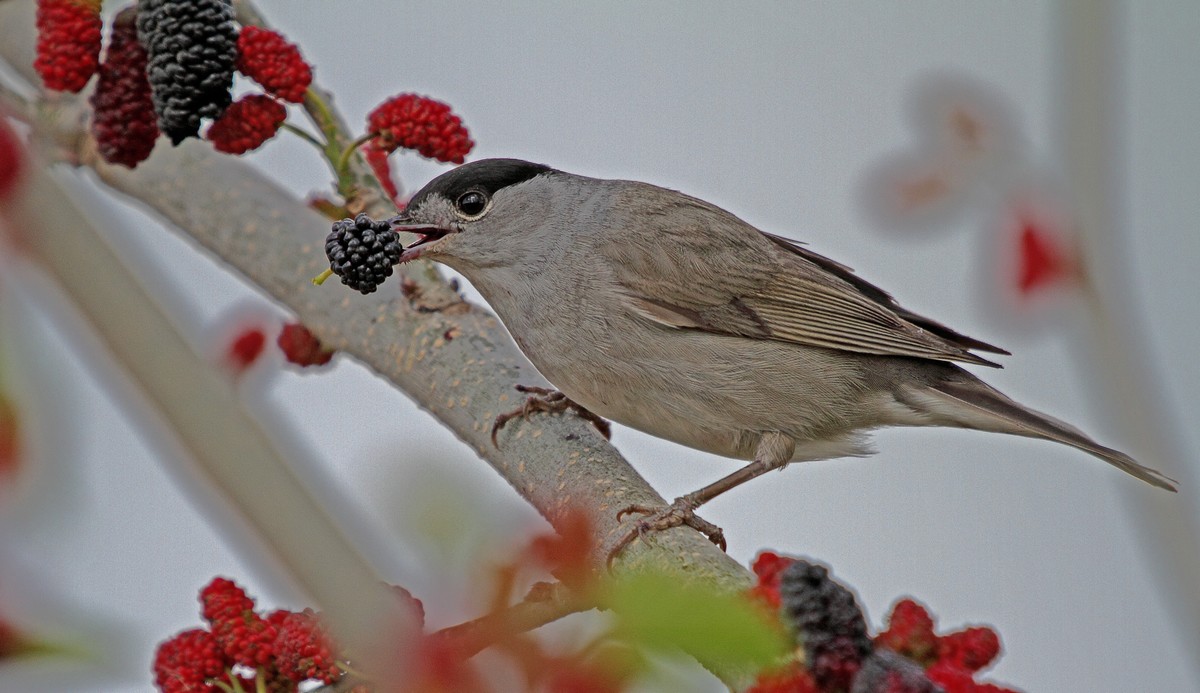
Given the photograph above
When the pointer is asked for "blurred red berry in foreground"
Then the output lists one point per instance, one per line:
(301, 347)
(245, 349)
(910, 632)
(303, 650)
(790, 679)
(823, 617)
(566, 551)
(972, 648)
(268, 58)
(1043, 260)
(11, 158)
(767, 567)
(422, 124)
(68, 42)
(10, 438)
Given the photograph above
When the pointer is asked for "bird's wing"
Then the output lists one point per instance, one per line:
(681, 275)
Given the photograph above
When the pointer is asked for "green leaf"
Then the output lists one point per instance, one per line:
(724, 631)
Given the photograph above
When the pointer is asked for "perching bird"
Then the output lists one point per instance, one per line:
(672, 316)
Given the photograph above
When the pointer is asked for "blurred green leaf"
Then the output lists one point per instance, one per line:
(722, 630)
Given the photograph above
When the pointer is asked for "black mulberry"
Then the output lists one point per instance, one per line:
(827, 622)
(362, 252)
(192, 48)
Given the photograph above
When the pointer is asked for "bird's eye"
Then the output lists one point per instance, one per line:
(472, 203)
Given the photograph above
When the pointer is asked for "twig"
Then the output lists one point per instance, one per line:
(546, 606)
(304, 135)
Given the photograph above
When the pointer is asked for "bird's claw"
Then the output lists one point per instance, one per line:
(544, 399)
(681, 513)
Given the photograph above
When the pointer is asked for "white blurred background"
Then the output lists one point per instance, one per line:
(779, 112)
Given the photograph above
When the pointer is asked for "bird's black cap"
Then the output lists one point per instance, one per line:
(488, 175)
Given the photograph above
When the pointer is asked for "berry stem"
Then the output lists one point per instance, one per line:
(470, 637)
(350, 671)
(343, 162)
(304, 135)
(320, 278)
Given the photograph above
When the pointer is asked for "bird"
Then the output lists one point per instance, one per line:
(672, 316)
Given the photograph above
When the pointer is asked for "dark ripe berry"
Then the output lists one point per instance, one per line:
(827, 622)
(362, 252)
(123, 119)
(192, 49)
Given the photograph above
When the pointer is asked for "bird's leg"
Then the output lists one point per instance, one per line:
(774, 451)
(543, 399)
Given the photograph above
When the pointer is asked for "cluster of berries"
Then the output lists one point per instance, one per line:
(170, 65)
(282, 649)
(838, 654)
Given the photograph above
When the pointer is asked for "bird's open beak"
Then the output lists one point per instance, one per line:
(428, 234)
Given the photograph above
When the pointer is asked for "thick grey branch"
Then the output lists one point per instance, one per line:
(455, 360)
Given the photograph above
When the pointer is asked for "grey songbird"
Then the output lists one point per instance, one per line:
(672, 316)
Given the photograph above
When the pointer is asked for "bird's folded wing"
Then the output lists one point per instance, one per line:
(770, 288)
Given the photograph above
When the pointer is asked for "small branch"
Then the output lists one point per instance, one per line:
(343, 162)
(538, 609)
(304, 135)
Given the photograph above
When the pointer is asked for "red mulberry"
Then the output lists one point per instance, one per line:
(302, 649)
(247, 124)
(377, 159)
(301, 347)
(910, 632)
(243, 635)
(123, 120)
(184, 663)
(271, 60)
(68, 42)
(12, 158)
(419, 123)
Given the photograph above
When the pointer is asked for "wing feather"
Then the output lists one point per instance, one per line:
(779, 289)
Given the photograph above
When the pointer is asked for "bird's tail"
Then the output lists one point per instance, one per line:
(974, 404)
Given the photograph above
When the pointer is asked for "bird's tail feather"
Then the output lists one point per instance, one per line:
(974, 404)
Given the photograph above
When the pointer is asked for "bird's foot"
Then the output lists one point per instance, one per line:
(681, 513)
(543, 399)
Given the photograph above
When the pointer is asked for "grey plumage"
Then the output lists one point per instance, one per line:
(675, 317)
